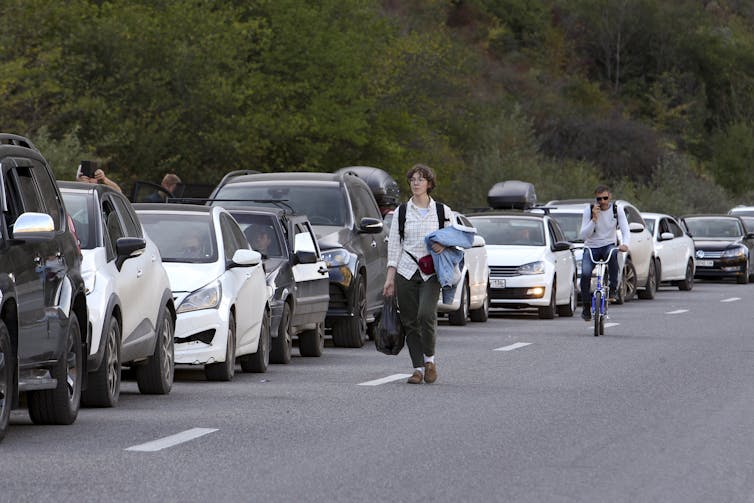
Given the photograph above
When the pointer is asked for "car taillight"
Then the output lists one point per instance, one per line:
(73, 231)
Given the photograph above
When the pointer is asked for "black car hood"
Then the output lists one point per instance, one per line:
(715, 244)
(330, 236)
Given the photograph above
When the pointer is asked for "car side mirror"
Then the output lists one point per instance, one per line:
(128, 247)
(34, 227)
(304, 257)
(478, 241)
(562, 246)
(666, 236)
(370, 225)
(749, 235)
(635, 227)
(245, 257)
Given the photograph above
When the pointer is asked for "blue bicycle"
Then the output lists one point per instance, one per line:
(600, 294)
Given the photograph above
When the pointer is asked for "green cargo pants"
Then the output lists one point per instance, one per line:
(417, 301)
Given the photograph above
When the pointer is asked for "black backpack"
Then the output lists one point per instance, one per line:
(402, 217)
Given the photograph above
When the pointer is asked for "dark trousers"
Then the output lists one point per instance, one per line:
(587, 266)
(417, 301)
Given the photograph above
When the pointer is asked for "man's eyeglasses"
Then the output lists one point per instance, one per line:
(602, 198)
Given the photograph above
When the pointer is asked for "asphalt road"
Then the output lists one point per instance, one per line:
(660, 409)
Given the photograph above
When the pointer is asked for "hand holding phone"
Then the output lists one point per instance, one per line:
(87, 169)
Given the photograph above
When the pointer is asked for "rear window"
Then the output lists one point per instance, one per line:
(510, 231)
(324, 204)
(181, 237)
(570, 224)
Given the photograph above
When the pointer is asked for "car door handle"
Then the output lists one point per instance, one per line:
(248, 275)
(322, 270)
(374, 244)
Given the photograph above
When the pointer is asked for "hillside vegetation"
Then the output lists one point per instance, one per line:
(655, 97)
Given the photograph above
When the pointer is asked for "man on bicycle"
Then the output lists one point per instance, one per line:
(599, 232)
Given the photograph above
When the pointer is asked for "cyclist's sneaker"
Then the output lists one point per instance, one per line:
(586, 315)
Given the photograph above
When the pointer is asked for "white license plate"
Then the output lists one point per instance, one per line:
(705, 263)
(497, 283)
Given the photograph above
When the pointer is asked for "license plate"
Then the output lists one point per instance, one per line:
(704, 263)
(497, 283)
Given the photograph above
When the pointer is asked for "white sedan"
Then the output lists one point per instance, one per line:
(674, 250)
(531, 262)
(219, 286)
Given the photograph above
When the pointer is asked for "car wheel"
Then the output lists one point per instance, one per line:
(743, 279)
(650, 288)
(7, 378)
(548, 312)
(280, 346)
(61, 405)
(156, 376)
(103, 385)
(224, 371)
(627, 285)
(567, 310)
(483, 313)
(352, 332)
(312, 342)
(460, 315)
(259, 361)
(688, 281)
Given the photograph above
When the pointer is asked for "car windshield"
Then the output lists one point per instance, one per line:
(181, 237)
(748, 223)
(510, 231)
(323, 203)
(570, 224)
(260, 231)
(719, 228)
(80, 207)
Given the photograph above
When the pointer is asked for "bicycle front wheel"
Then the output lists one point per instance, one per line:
(599, 324)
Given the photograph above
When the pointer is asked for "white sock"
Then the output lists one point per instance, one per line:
(420, 369)
(429, 359)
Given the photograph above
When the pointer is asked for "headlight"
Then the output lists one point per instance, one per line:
(737, 252)
(336, 258)
(532, 268)
(207, 297)
(89, 278)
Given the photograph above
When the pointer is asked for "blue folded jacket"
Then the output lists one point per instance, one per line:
(447, 263)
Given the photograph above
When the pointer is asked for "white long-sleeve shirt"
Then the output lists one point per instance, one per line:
(604, 232)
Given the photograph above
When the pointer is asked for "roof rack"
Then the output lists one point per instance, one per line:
(280, 203)
(17, 140)
(236, 173)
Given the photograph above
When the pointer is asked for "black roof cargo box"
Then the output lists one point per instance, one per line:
(512, 194)
(383, 186)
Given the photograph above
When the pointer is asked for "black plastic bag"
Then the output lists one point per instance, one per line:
(390, 335)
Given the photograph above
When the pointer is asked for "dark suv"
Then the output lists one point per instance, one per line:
(43, 313)
(349, 228)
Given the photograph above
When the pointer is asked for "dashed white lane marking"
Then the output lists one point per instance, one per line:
(607, 325)
(732, 299)
(678, 311)
(172, 440)
(377, 382)
(513, 346)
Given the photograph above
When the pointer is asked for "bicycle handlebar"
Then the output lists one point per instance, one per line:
(609, 255)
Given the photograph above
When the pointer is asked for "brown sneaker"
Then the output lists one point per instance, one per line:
(430, 372)
(416, 378)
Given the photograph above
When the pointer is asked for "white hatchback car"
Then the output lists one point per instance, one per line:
(531, 262)
(131, 310)
(674, 250)
(219, 286)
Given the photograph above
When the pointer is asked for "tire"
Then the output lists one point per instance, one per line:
(459, 316)
(688, 281)
(567, 310)
(259, 361)
(483, 313)
(280, 346)
(103, 385)
(599, 325)
(743, 279)
(650, 288)
(312, 342)
(61, 405)
(224, 371)
(352, 332)
(627, 286)
(7, 378)
(548, 312)
(156, 376)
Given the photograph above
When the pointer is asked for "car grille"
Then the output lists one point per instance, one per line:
(510, 293)
(709, 254)
(503, 271)
(205, 337)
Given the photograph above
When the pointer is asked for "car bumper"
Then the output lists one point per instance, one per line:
(520, 292)
(201, 336)
(720, 268)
